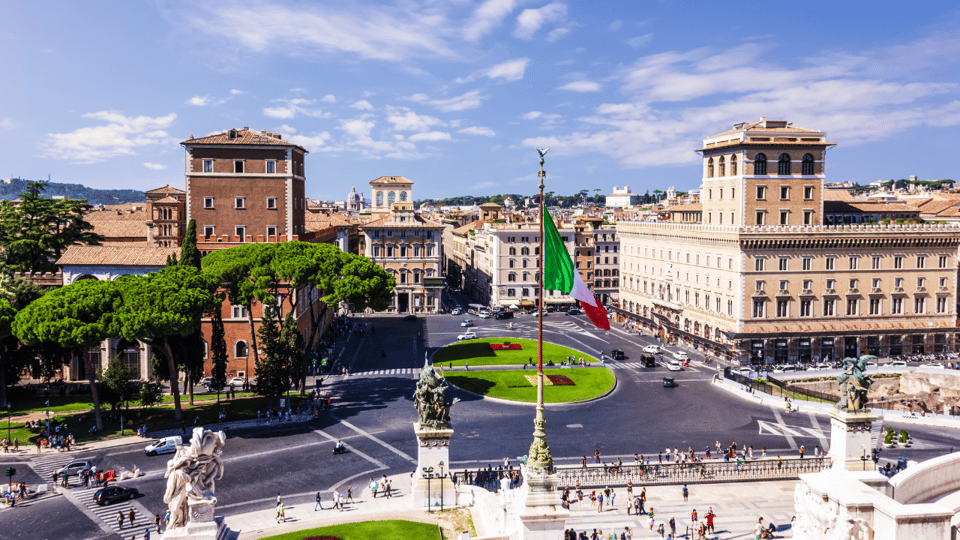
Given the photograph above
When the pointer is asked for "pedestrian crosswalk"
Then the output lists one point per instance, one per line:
(45, 464)
(382, 372)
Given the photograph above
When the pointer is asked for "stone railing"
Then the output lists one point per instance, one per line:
(805, 229)
(689, 473)
(926, 481)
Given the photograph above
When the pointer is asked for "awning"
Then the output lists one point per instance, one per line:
(526, 303)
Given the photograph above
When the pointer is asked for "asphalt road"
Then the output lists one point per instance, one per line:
(373, 414)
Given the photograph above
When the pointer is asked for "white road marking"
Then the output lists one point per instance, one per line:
(375, 461)
(374, 439)
(820, 434)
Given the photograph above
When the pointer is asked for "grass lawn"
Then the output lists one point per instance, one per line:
(477, 352)
(365, 530)
(514, 385)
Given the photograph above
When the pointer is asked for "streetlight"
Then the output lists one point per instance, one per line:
(864, 457)
(441, 487)
(428, 474)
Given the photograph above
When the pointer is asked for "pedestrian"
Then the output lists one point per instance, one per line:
(387, 490)
(374, 485)
(350, 495)
(659, 530)
(120, 519)
(583, 462)
(710, 517)
(596, 455)
(279, 502)
(281, 513)
(686, 493)
(801, 451)
(758, 529)
(131, 516)
(318, 505)
(650, 521)
(673, 526)
(693, 517)
(156, 521)
(600, 502)
(146, 534)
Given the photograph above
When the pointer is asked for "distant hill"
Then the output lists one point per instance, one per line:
(14, 187)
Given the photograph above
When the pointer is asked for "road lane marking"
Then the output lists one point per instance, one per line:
(820, 435)
(374, 439)
(375, 461)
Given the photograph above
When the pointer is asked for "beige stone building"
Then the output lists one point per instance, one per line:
(407, 246)
(761, 278)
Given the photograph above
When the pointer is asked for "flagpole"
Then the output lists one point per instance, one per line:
(539, 458)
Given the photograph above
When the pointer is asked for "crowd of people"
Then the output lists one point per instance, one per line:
(490, 477)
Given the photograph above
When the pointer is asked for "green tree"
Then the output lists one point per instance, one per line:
(76, 317)
(35, 233)
(192, 345)
(161, 307)
(115, 384)
(218, 353)
(273, 370)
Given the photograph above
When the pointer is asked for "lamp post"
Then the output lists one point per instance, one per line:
(441, 487)
(864, 457)
(428, 474)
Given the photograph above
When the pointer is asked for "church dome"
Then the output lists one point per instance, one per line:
(353, 196)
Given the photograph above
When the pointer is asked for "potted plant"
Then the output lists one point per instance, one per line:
(904, 438)
(888, 438)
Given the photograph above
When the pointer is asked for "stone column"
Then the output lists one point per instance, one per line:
(850, 433)
(433, 448)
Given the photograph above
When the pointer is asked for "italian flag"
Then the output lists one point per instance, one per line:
(559, 274)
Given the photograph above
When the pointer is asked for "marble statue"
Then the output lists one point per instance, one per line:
(854, 384)
(191, 476)
(430, 400)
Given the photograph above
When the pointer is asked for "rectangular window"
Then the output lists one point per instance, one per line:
(271, 230)
(874, 306)
(208, 231)
(941, 305)
(783, 264)
(730, 307)
(921, 261)
(271, 166)
(238, 202)
(919, 305)
(807, 284)
(758, 265)
(761, 192)
(830, 263)
(876, 283)
(808, 192)
(898, 282)
(784, 193)
(403, 277)
(828, 307)
(896, 306)
(240, 231)
(758, 309)
(875, 265)
(760, 285)
(805, 308)
(898, 262)
(943, 282)
(238, 311)
(853, 262)
(831, 283)
(389, 251)
(238, 166)
(943, 261)
(852, 305)
(271, 203)
(807, 263)
(808, 217)
(853, 284)
(921, 282)
(208, 165)
(783, 284)
(784, 217)
(403, 251)
(376, 251)
(760, 218)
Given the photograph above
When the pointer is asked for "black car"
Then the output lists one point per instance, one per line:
(617, 354)
(648, 360)
(668, 382)
(113, 494)
(574, 311)
(410, 317)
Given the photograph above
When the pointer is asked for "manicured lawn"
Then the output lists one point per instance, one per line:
(477, 352)
(367, 530)
(514, 384)
(57, 404)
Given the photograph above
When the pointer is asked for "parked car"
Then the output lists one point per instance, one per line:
(745, 371)
(934, 365)
(206, 381)
(74, 468)
(897, 363)
(112, 494)
(652, 349)
(467, 323)
(467, 335)
(680, 355)
(674, 365)
(648, 360)
(236, 381)
(574, 311)
(166, 445)
(617, 354)
(457, 311)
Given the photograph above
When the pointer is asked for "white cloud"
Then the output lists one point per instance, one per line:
(417, 98)
(122, 135)
(581, 86)
(294, 106)
(509, 71)
(486, 17)
(298, 90)
(155, 166)
(329, 98)
(235, 92)
(640, 41)
(557, 33)
(431, 136)
(287, 129)
(469, 100)
(382, 32)
(530, 20)
(199, 101)
(484, 131)
(5, 122)
(532, 115)
(403, 119)
(362, 105)
(315, 143)
(616, 25)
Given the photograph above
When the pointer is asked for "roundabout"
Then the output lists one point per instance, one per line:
(564, 382)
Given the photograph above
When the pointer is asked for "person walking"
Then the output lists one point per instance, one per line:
(673, 526)
(374, 486)
(686, 493)
(758, 529)
(120, 519)
(279, 502)
(600, 502)
(650, 520)
(710, 517)
(318, 506)
(388, 488)
(156, 521)
(350, 495)
(131, 516)
(281, 513)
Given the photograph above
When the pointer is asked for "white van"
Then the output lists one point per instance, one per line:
(166, 445)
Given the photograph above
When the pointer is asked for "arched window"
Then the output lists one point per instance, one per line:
(525, 251)
(240, 349)
(391, 197)
(733, 165)
(403, 196)
(717, 334)
(807, 166)
(511, 276)
(513, 251)
(783, 165)
(379, 198)
(721, 167)
(511, 263)
(710, 168)
(525, 263)
(760, 165)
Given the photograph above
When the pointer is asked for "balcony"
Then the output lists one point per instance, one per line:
(667, 304)
(759, 293)
(806, 292)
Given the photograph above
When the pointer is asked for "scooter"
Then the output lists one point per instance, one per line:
(339, 448)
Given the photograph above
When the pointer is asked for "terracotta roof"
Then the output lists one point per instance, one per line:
(866, 206)
(119, 211)
(837, 195)
(465, 229)
(691, 207)
(121, 228)
(167, 199)
(392, 180)
(243, 136)
(166, 190)
(116, 256)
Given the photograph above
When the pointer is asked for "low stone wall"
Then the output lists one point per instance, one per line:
(927, 480)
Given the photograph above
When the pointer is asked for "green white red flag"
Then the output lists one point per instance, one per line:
(559, 274)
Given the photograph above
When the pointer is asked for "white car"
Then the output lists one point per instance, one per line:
(467, 323)
(674, 365)
(935, 365)
(166, 445)
(236, 381)
(467, 335)
(457, 311)
(898, 363)
(652, 349)
(745, 371)
(680, 355)
(484, 315)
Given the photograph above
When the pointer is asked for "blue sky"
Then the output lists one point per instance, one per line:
(456, 94)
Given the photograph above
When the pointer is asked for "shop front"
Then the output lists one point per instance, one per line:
(804, 350)
(781, 351)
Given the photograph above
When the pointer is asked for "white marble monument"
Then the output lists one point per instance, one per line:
(850, 433)
(191, 482)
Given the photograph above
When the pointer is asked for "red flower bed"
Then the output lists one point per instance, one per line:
(561, 380)
(506, 347)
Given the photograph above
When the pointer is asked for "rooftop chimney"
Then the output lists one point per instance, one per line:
(263, 132)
